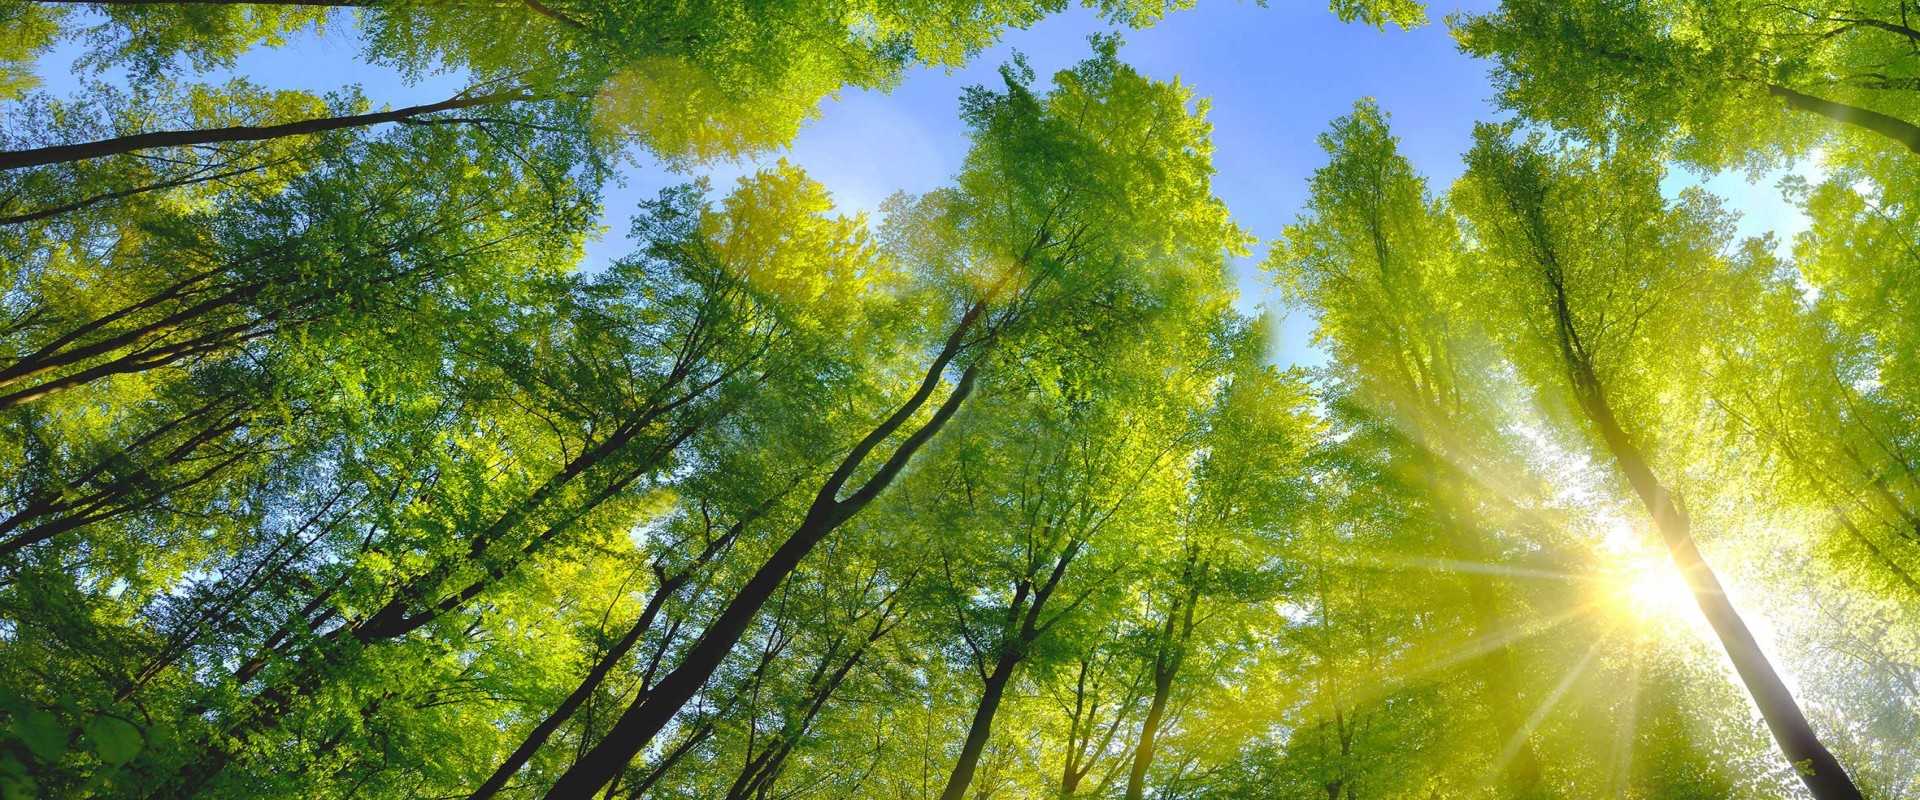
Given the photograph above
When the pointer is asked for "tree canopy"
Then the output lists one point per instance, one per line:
(331, 466)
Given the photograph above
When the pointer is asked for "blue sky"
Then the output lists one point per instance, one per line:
(1276, 77)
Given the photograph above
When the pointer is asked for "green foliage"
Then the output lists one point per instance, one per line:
(1724, 84)
(332, 470)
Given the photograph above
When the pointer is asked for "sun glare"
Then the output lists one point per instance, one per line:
(1653, 590)
(1639, 583)
(1647, 590)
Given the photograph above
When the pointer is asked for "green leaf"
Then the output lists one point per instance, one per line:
(42, 733)
(116, 740)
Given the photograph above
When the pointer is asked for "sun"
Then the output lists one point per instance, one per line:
(1640, 585)
(1652, 591)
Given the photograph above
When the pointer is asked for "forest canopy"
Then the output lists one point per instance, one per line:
(332, 465)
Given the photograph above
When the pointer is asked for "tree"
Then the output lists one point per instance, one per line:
(1577, 309)
(1238, 515)
(1051, 496)
(1370, 256)
(1040, 227)
(1730, 84)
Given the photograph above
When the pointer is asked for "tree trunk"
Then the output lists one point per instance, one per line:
(1816, 766)
(649, 714)
(598, 675)
(982, 727)
(760, 773)
(1149, 734)
(393, 620)
(66, 153)
(1174, 636)
(1899, 130)
(174, 183)
(538, 736)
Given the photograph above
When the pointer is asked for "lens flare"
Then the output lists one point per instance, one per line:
(1647, 590)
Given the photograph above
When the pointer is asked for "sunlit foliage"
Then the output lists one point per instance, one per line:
(330, 467)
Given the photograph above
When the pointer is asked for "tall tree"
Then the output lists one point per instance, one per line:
(1039, 229)
(1233, 534)
(1596, 265)
(1369, 256)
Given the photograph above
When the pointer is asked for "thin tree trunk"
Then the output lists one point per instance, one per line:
(680, 750)
(538, 736)
(649, 714)
(1012, 650)
(1899, 130)
(1149, 735)
(1816, 766)
(190, 180)
(1165, 668)
(397, 618)
(67, 153)
(388, 624)
(598, 675)
(982, 727)
(763, 770)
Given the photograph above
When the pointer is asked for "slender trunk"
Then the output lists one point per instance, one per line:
(67, 153)
(53, 356)
(649, 714)
(1899, 130)
(120, 194)
(1149, 734)
(760, 773)
(100, 506)
(982, 728)
(65, 496)
(659, 771)
(598, 675)
(390, 621)
(1166, 666)
(1816, 766)
(397, 618)
(588, 685)
(1012, 650)
(215, 616)
(1817, 478)
(229, 337)
(1521, 774)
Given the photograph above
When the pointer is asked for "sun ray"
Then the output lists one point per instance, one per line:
(1465, 651)
(1620, 766)
(1539, 715)
(1460, 567)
